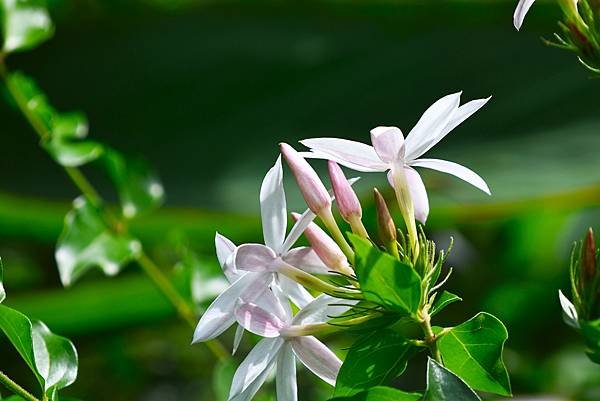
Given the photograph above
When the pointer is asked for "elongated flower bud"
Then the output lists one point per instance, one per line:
(588, 264)
(385, 224)
(325, 247)
(345, 197)
(315, 194)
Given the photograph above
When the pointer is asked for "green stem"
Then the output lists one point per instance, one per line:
(430, 337)
(15, 388)
(88, 190)
(327, 218)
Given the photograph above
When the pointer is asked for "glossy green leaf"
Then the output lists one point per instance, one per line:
(443, 385)
(590, 330)
(52, 358)
(385, 280)
(2, 291)
(381, 393)
(139, 188)
(473, 351)
(66, 131)
(25, 24)
(373, 360)
(87, 242)
(442, 301)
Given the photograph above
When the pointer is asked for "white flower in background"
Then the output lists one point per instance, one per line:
(391, 152)
(568, 6)
(282, 344)
(253, 286)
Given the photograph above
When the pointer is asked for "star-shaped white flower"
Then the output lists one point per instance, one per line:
(391, 152)
(282, 345)
(253, 286)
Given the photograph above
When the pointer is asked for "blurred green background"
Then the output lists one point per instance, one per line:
(205, 91)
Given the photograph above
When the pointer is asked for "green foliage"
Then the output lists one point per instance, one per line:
(139, 189)
(442, 301)
(381, 393)
(222, 377)
(384, 280)
(373, 360)
(590, 330)
(87, 241)
(473, 351)
(53, 359)
(443, 385)
(25, 24)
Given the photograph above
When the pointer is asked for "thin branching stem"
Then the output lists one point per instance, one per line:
(16, 388)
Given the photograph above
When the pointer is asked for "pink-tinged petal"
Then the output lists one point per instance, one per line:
(294, 291)
(521, 11)
(462, 113)
(254, 257)
(314, 192)
(257, 320)
(286, 385)
(274, 301)
(273, 207)
(225, 249)
(322, 309)
(388, 143)
(305, 258)
(418, 194)
(239, 334)
(345, 197)
(301, 223)
(317, 358)
(325, 247)
(260, 359)
(220, 314)
(355, 155)
(430, 125)
(454, 169)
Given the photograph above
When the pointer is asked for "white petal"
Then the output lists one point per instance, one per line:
(322, 309)
(255, 364)
(239, 333)
(273, 207)
(307, 217)
(418, 194)
(294, 291)
(569, 310)
(521, 11)
(219, 315)
(388, 143)
(305, 258)
(454, 169)
(317, 358)
(255, 385)
(257, 320)
(352, 154)
(462, 113)
(254, 257)
(287, 387)
(430, 125)
(225, 249)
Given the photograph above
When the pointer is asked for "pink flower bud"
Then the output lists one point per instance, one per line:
(325, 247)
(315, 194)
(345, 197)
(588, 251)
(385, 223)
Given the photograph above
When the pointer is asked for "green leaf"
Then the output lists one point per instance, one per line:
(25, 24)
(442, 301)
(52, 358)
(65, 131)
(473, 351)
(373, 360)
(2, 291)
(590, 330)
(381, 393)
(443, 385)
(385, 280)
(139, 188)
(87, 242)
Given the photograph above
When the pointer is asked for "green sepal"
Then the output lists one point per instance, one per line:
(442, 301)
(473, 351)
(385, 280)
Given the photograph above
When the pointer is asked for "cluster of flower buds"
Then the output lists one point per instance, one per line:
(266, 279)
(580, 29)
(583, 313)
